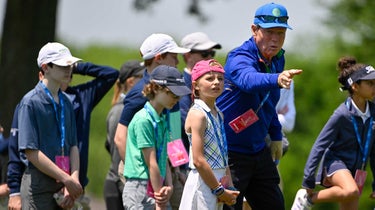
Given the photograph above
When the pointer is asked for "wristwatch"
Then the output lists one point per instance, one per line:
(218, 190)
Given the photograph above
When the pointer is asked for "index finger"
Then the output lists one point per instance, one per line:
(295, 71)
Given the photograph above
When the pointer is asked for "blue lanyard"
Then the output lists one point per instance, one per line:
(61, 121)
(262, 102)
(268, 70)
(364, 151)
(222, 144)
(155, 125)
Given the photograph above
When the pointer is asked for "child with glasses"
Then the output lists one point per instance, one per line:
(209, 183)
(341, 151)
(148, 177)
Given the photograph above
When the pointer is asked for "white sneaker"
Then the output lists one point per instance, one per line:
(301, 202)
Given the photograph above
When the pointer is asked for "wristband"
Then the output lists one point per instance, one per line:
(218, 190)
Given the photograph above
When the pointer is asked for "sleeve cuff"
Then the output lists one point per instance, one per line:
(14, 194)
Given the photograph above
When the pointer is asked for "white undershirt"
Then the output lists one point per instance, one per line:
(364, 115)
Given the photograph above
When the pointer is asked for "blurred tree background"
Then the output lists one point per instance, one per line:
(351, 32)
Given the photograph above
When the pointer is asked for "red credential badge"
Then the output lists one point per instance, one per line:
(63, 162)
(360, 179)
(243, 121)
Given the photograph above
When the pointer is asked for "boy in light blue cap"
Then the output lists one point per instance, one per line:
(254, 75)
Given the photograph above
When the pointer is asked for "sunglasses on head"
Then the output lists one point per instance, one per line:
(273, 19)
(205, 54)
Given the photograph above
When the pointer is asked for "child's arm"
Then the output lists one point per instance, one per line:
(74, 163)
(149, 154)
(68, 201)
(196, 121)
(166, 191)
(46, 166)
(160, 196)
(168, 178)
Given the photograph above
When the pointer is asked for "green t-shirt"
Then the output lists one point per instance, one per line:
(141, 134)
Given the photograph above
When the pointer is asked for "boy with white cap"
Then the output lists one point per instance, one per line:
(47, 134)
(84, 97)
(157, 49)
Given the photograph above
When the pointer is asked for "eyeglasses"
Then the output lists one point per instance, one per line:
(273, 19)
(205, 54)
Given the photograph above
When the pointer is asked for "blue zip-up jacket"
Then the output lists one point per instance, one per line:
(248, 80)
(84, 98)
(338, 142)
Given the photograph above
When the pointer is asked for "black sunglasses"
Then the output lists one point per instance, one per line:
(273, 19)
(205, 54)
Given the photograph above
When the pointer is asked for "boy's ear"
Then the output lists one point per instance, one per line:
(157, 58)
(44, 67)
(355, 86)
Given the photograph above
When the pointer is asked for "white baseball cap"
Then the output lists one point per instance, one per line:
(199, 41)
(158, 44)
(56, 53)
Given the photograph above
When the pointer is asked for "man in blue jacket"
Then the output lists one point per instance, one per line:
(254, 74)
(84, 98)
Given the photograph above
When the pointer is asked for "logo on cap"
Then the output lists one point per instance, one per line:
(276, 12)
(369, 69)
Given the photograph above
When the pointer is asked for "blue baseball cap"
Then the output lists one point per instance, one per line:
(272, 15)
(171, 78)
(365, 73)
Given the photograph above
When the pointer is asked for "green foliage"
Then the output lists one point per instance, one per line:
(352, 25)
